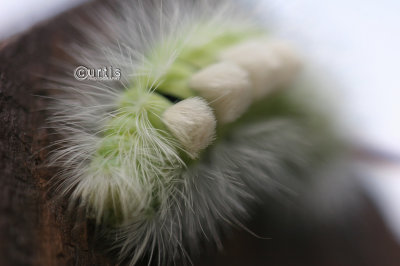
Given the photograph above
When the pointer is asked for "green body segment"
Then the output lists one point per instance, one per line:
(142, 101)
(122, 129)
(139, 111)
(194, 55)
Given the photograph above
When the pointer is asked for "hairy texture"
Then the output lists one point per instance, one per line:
(193, 123)
(124, 146)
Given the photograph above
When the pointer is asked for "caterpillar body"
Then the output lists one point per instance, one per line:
(201, 125)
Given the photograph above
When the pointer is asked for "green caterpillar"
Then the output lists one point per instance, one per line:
(202, 124)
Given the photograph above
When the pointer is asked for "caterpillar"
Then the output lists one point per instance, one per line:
(203, 121)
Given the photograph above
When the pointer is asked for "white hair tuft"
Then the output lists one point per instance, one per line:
(227, 88)
(193, 123)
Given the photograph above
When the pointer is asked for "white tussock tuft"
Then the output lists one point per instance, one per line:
(227, 88)
(193, 123)
(269, 63)
(289, 58)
